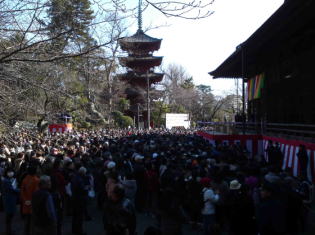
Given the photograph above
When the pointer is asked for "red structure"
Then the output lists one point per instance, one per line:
(140, 64)
(63, 124)
(61, 128)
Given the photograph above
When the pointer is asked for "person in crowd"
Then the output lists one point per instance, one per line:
(152, 188)
(68, 172)
(79, 200)
(294, 207)
(271, 215)
(278, 156)
(303, 160)
(112, 181)
(305, 190)
(240, 210)
(44, 218)
(58, 190)
(194, 199)
(273, 175)
(139, 173)
(130, 185)
(165, 172)
(210, 198)
(10, 195)
(171, 212)
(28, 187)
(120, 213)
(89, 183)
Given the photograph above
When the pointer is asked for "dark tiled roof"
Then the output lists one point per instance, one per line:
(139, 36)
(140, 41)
(141, 78)
(141, 62)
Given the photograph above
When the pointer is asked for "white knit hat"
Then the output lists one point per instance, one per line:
(111, 165)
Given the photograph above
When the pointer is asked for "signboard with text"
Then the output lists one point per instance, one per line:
(174, 120)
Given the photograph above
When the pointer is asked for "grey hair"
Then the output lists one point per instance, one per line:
(44, 180)
(82, 170)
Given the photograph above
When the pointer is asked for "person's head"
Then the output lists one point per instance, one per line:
(205, 182)
(69, 165)
(54, 151)
(57, 164)
(31, 170)
(302, 146)
(111, 165)
(44, 182)
(235, 185)
(82, 170)
(138, 158)
(9, 172)
(267, 190)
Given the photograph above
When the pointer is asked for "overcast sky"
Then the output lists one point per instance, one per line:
(202, 45)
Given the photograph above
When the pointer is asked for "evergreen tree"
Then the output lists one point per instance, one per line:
(69, 22)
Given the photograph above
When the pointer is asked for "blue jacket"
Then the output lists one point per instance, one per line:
(43, 209)
(9, 196)
(79, 191)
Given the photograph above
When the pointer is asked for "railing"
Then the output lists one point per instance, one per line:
(288, 129)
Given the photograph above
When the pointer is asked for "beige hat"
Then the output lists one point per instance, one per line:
(234, 185)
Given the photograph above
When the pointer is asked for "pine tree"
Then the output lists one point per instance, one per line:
(69, 22)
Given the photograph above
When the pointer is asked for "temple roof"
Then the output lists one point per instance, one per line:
(141, 64)
(140, 41)
(140, 79)
(282, 32)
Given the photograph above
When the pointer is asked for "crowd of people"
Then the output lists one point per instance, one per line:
(175, 177)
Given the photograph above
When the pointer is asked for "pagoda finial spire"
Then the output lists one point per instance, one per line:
(140, 16)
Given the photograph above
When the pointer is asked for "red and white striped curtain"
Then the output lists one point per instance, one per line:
(290, 149)
(257, 145)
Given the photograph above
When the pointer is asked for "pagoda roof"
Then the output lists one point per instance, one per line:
(141, 64)
(280, 33)
(140, 79)
(139, 41)
(133, 92)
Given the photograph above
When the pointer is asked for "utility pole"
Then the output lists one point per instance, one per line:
(243, 91)
(138, 116)
(148, 100)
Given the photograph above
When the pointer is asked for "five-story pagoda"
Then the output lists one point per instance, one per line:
(140, 64)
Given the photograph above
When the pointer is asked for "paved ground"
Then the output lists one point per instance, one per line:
(93, 227)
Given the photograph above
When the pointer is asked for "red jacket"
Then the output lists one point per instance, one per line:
(28, 187)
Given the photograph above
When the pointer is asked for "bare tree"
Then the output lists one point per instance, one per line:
(37, 81)
(190, 9)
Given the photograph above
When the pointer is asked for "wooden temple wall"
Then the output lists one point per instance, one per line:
(289, 92)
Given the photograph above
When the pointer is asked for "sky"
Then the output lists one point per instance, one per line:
(200, 46)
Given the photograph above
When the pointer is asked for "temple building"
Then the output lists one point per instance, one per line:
(276, 62)
(276, 65)
(140, 74)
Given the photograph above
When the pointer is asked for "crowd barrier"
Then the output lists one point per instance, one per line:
(257, 145)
